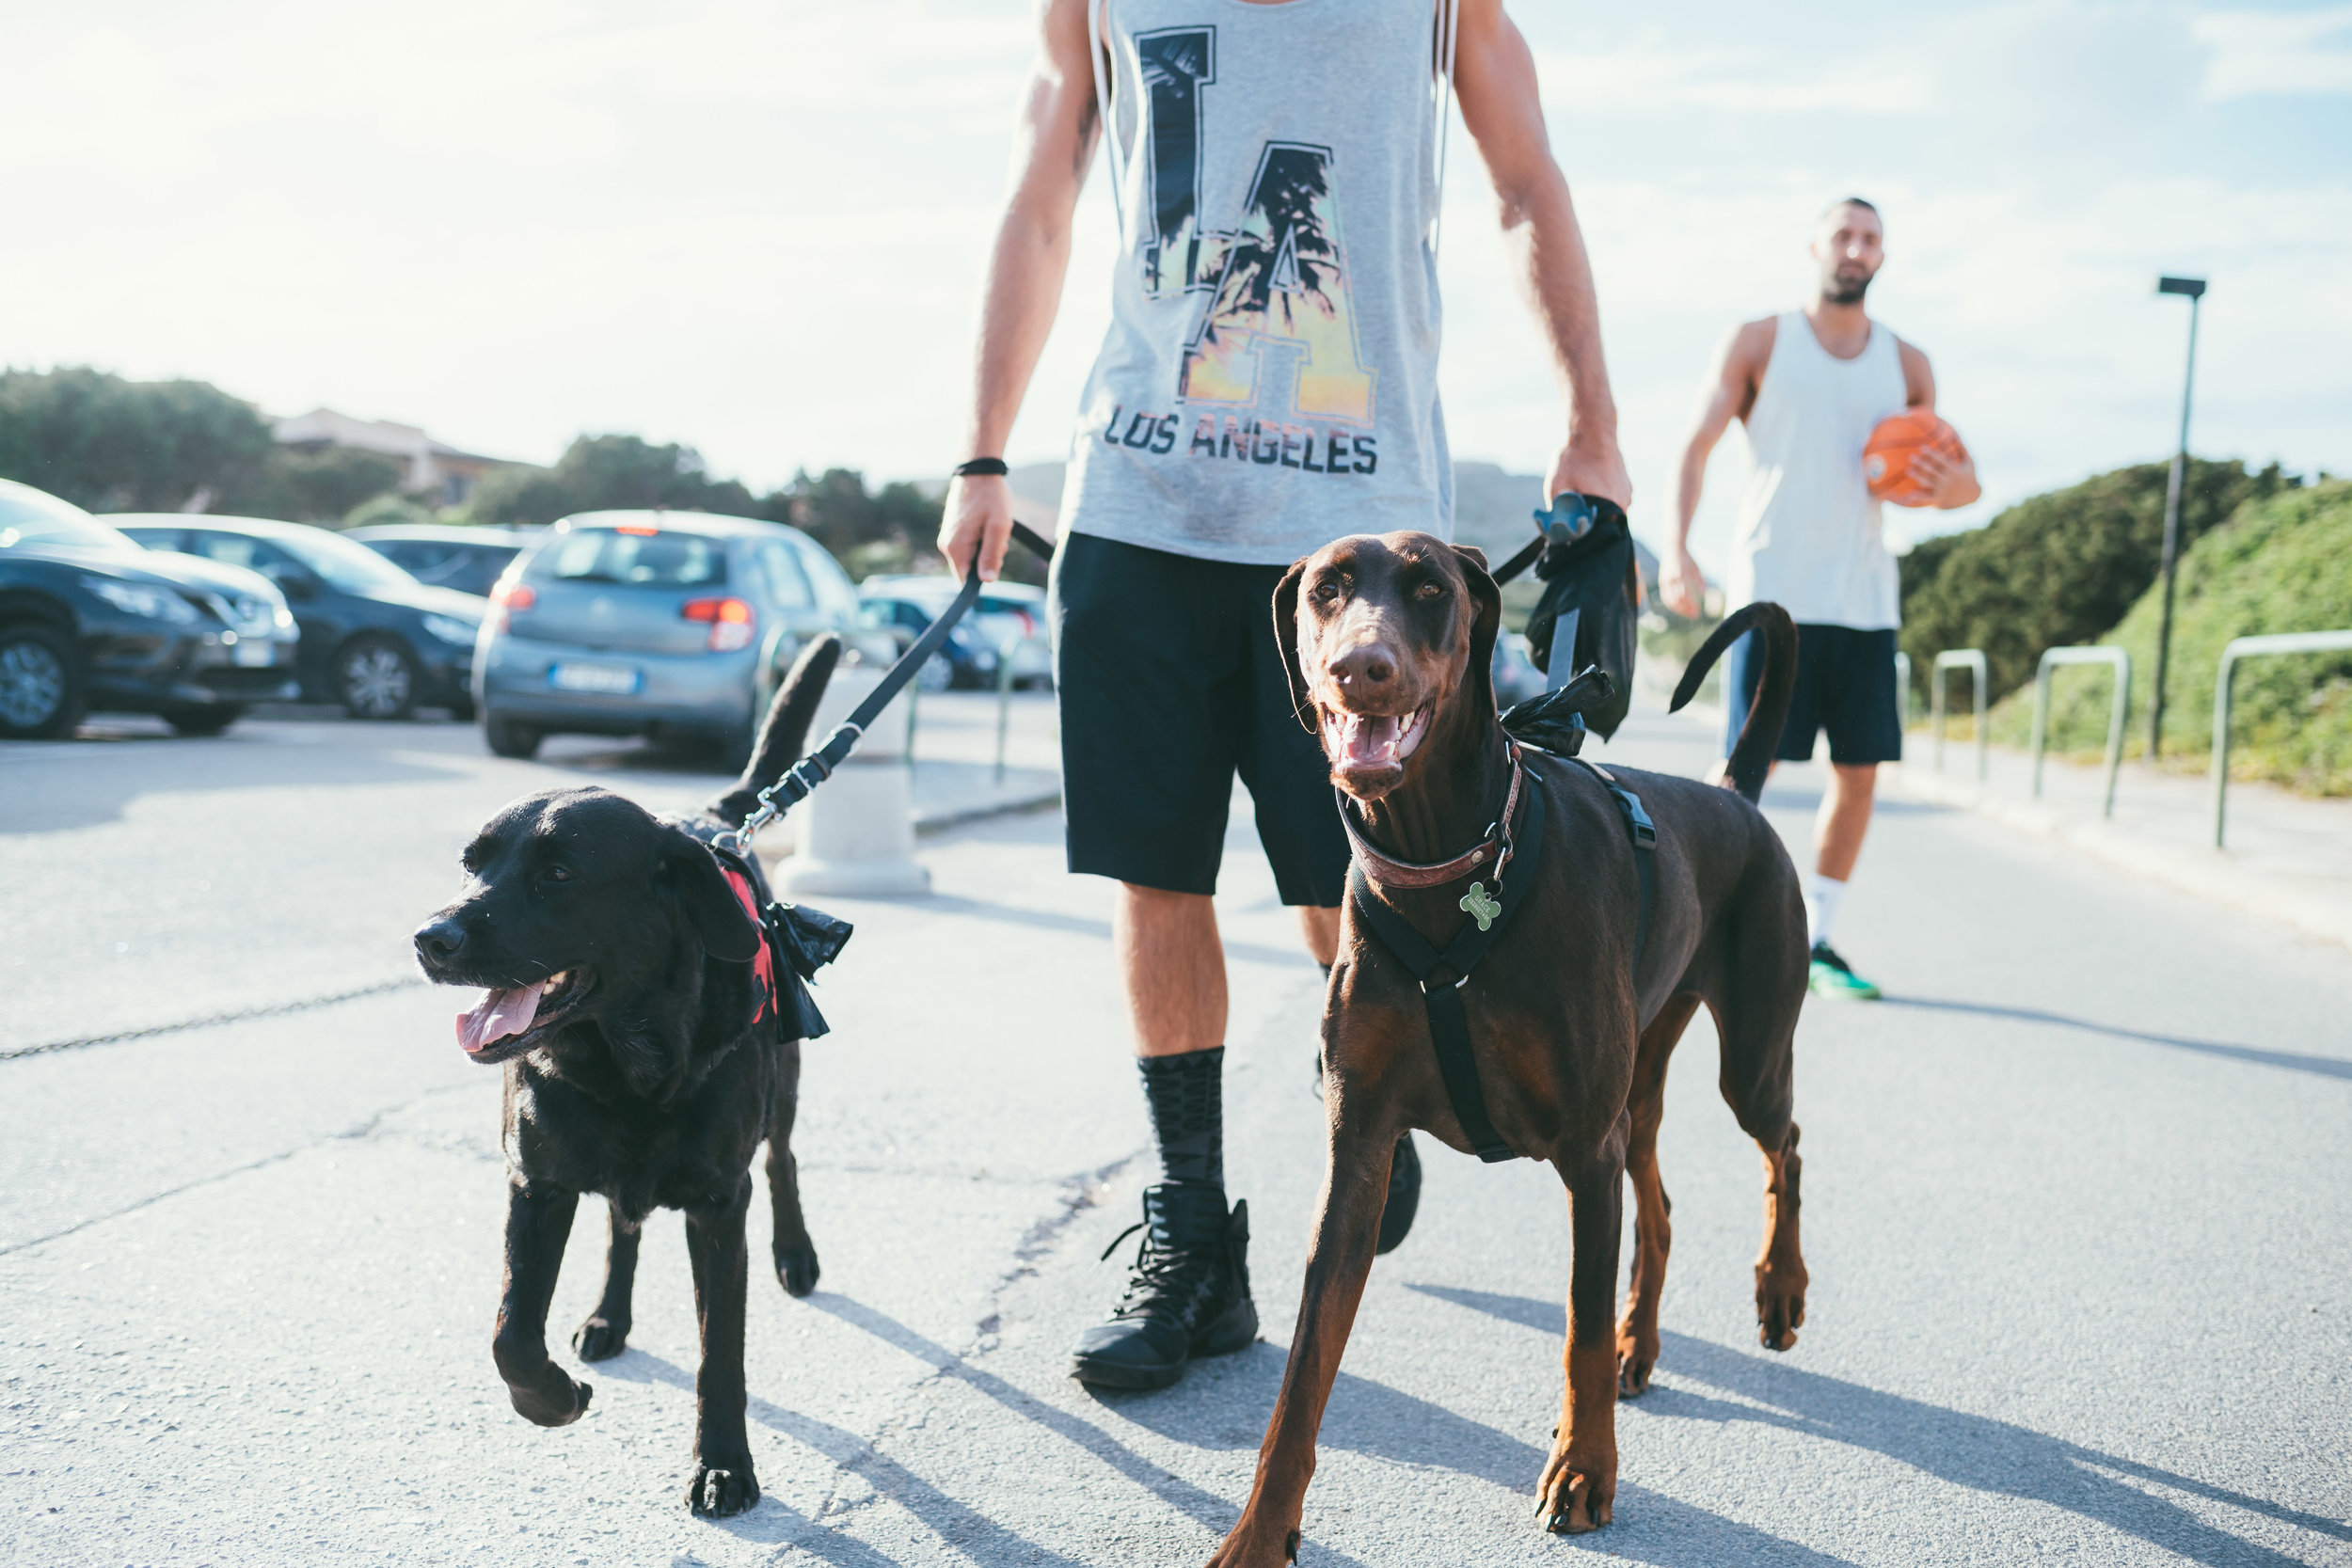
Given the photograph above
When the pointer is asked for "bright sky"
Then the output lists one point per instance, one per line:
(757, 228)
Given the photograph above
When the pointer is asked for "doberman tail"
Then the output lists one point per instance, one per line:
(784, 731)
(1759, 737)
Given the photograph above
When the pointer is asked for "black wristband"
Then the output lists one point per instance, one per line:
(979, 467)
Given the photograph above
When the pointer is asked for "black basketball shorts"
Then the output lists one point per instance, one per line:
(1845, 685)
(1170, 682)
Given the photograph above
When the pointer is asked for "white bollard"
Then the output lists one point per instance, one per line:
(855, 835)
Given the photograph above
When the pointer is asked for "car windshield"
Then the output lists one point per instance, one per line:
(344, 563)
(30, 516)
(646, 559)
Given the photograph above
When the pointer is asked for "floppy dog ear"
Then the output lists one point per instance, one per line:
(1286, 635)
(690, 874)
(1486, 618)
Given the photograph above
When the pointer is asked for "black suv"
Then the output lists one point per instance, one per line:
(90, 620)
(469, 558)
(374, 638)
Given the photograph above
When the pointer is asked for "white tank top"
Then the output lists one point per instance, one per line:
(1269, 381)
(1809, 536)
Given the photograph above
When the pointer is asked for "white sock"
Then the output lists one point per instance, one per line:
(1821, 896)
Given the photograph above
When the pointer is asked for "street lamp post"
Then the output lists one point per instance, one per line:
(2195, 289)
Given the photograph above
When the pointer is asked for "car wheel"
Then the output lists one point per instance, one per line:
(375, 678)
(201, 721)
(937, 675)
(510, 737)
(41, 683)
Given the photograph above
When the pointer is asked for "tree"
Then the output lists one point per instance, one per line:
(600, 473)
(321, 486)
(2060, 568)
(886, 530)
(113, 445)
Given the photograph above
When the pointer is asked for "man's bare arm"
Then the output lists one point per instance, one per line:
(1949, 483)
(1053, 147)
(1495, 79)
(1728, 393)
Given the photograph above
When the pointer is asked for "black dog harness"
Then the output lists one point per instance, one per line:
(1442, 975)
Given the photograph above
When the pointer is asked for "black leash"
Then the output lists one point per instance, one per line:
(800, 779)
(1441, 996)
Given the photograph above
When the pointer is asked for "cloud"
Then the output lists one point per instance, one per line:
(2271, 54)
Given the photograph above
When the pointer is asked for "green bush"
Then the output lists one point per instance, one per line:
(2281, 565)
(2059, 568)
(389, 507)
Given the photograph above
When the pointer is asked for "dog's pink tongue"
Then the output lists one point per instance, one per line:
(1371, 739)
(499, 1014)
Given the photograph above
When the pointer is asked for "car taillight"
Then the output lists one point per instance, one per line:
(730, 621)
(509, 599)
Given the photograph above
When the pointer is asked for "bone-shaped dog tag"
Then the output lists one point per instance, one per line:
(1479, 907)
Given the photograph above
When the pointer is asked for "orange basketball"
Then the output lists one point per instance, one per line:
(1887, 457)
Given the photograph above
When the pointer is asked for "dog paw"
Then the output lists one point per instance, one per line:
(1576, 1497)
(796, 1270)
(1779, 1305)
(554, 1399)
(599, 1340)
(722, 1492)
(1634, 1364)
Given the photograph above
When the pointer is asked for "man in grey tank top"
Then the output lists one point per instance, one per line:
(1268, 383)
(1809, 386)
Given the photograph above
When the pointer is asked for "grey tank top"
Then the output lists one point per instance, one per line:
(1269, 382)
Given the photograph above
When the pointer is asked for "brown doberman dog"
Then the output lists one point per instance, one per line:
(1389, 638)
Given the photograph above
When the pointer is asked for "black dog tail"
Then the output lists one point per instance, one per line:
(784, 732)
(1759, 737)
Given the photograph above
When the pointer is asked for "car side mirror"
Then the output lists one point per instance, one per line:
(296, 584)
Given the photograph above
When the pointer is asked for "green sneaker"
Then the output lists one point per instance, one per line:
(1830, 977)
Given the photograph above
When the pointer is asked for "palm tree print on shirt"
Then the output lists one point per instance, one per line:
(1281, 277)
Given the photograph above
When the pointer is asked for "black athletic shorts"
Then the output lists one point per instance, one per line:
(1845, 685)
(1170, 682)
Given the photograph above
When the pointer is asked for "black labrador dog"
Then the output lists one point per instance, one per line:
(623, 977)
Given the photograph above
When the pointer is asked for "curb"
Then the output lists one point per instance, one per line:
(2203, 873)
(940, 818)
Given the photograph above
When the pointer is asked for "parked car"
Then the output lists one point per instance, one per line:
(652, 623)
(89, 621)
(1515, 677)
(374, 638)
(1005, 612)
(469, 559)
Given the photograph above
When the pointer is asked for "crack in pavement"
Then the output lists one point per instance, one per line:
(1079, 1194)
(359, 1129)
(234, 1015)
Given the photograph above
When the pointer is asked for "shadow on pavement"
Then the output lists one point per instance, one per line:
(1974, 1451)
(1086, 926)
(2326, 1066)
(773, 1523)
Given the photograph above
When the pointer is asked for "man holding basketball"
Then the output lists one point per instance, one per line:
(1809, 386)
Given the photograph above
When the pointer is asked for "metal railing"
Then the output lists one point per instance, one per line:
(1903, 690)
(1972, 661)
(2223, 696)
(2115, 658)
(1006, 676)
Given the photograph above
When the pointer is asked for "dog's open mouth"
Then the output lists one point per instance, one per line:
(505, 1021)
(1371, 742)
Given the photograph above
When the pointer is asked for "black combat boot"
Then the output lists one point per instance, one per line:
(1189, 1295)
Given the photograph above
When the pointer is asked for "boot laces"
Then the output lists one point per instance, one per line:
(1159, 1274)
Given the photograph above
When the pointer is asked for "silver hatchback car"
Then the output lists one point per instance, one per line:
(664, 623)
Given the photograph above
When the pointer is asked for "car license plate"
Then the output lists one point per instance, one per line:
(618, 680)
(256, 656)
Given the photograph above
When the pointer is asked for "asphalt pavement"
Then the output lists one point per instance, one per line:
(2079, 1220)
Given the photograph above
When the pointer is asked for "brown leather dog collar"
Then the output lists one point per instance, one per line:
(1390, 872)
